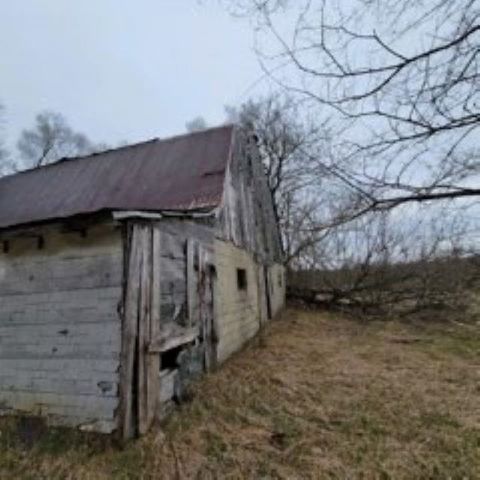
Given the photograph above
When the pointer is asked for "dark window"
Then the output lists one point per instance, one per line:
(241, 279)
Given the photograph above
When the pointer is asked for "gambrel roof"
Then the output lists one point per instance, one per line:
(184, 173)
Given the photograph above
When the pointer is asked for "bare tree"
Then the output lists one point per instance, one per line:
(396, 85)
(3, 152)
(196, 124)
(281, 139)
(383, 264)
(399, 78)
(51, 139)
(286, 144)
(6, 164)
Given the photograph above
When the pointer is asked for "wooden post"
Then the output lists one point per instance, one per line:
(129, 330)
(143, 329)
(155, 319)
(191, 282)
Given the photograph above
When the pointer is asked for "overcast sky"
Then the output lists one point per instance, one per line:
(121, 69)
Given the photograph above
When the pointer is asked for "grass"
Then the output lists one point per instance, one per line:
(319, 397)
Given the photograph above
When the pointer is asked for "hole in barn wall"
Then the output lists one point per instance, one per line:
(242, 283)
(168, 359)
(212, 270)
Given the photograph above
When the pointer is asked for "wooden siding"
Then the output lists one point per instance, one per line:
(247, 224)
(237, 312)
(277, 285)
(163, 316)
(176, 234)
(59, 326)
(246, 217)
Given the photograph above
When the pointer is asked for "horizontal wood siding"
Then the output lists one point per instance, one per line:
(237, 311)
(60, 331)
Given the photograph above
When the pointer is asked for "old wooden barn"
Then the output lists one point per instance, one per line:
(127, 273)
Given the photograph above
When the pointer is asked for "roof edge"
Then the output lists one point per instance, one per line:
(123, 147)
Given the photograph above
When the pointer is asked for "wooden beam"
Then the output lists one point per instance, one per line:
(191, 282)
(153, 361)
(129, 330)
(129, 214)
(169, 340)
(144, 329)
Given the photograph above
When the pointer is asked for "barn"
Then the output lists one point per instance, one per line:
(126, 274)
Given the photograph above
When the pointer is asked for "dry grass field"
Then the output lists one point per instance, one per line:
(317, 397)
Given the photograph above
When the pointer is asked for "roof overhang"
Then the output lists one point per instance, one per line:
(129, 214)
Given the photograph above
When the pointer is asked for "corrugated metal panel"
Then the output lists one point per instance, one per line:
(182, 173)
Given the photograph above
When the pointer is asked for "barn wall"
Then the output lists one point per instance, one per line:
(60, 328)
(173, 264)
(247, 219)
(237, 311)
(183, 256)
(277, 284)
(239, 314)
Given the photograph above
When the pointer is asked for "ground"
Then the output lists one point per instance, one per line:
(317, 396)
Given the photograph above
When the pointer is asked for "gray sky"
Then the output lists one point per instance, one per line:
(122, 69)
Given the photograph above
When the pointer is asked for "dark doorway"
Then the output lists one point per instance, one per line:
(267, 292)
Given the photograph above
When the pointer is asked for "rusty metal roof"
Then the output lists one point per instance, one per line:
(183, 173)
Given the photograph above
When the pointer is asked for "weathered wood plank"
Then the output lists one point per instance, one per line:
(186, 228)
(143, 329)
(100, 239)
(167, 384)
(172, 336)
(130, 331)
(174, 312)
(172, 246)
(56, 365)
(173, 268)
(60, 376)
(86, 331)
(33, 402)
(61, 274)
(100, 351)
(153, 361)
(65, 299)
(33, 315)
(191, 282)
(101, 388)
(167, 287)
